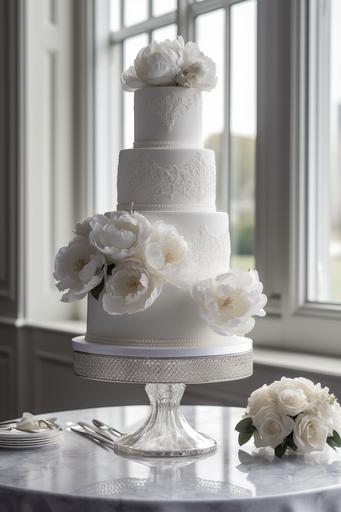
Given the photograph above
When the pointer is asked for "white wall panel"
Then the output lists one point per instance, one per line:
(49, 163)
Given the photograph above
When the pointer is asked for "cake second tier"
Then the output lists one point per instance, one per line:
(166, 179)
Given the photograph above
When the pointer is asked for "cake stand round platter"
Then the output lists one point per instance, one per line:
(165, 372)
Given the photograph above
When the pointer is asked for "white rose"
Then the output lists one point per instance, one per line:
(79, 268)
(310, 433)
(290, 397)
(328, 409)
(228, 302)
(155, 64)
(272, 426)
(130, 288)
(335, 418)
(257, 400)
(291, 401)
(306, 385)
(168, 255)
(119, 234)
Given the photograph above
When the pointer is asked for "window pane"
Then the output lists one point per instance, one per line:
(135, 11)
(163, 6)
(324, 166)
(243, 132)
(131, 47)
(213, 102)
(115, 14)
(168, 32)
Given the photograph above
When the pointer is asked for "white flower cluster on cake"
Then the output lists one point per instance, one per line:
(292, 414)
(124, 256)
(125, 260)
(171, 63)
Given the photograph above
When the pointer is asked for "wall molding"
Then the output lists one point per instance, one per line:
(8, 156)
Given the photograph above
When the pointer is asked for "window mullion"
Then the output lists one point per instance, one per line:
(183, 19)
(227, 115)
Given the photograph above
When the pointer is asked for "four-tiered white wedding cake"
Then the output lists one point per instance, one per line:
(157, 269)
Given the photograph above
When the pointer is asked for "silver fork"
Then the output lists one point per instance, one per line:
(88, 431)
(107, 428)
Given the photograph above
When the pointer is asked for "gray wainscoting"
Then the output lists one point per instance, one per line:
(36, 375)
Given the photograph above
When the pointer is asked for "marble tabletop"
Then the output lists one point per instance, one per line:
(78, 475)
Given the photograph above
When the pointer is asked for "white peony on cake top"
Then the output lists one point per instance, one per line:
(161, 275)
(171, 63)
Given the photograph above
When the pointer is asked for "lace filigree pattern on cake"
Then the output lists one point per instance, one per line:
(171, 107)
(149, 182)
(211, 252)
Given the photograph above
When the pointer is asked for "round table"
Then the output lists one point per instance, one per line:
(77, 475)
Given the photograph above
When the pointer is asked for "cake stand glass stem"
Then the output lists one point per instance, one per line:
(166, 432)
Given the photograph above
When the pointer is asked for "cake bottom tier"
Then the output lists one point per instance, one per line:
(173, 320)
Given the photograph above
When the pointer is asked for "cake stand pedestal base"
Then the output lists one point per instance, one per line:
(165, 371)
(166, 432)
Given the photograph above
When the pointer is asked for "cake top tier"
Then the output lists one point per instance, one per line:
(170, 63)
(168, 78)
(167, 117)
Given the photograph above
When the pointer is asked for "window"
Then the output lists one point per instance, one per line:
(229, 131)
(324, 154)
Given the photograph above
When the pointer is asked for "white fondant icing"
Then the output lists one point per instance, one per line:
(158, 179)
(173, 320)
(165, 115)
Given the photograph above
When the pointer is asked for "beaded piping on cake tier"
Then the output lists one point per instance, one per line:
(186, 370)
(165, 343)
(171, 106)
(187, 207)
(173, 144)
(192, 181)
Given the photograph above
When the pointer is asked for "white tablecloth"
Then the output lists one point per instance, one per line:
(79, 476)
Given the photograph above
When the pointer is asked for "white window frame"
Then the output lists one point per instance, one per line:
(292, 323)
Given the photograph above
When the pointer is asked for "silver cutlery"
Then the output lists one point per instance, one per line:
(94, 429)
(84, 428)
(88, 436)
(107, 428)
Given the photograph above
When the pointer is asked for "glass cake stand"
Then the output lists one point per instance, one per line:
(165, 372)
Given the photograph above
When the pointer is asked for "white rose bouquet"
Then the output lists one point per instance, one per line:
(292, 414)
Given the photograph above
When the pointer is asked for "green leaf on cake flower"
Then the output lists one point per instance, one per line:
(110, 268)
(245, 426)
(96, 292)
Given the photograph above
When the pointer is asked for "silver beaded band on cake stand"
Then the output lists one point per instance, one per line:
(166, 432)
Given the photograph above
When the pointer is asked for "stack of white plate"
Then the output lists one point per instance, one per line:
(16, 439)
